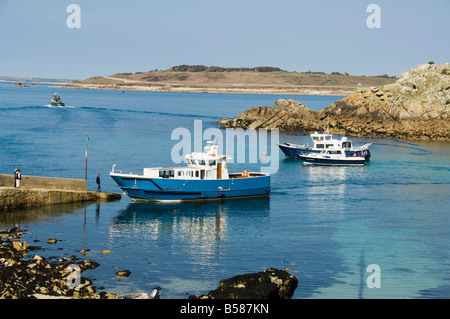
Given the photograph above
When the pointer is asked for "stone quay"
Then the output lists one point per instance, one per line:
(37, 191)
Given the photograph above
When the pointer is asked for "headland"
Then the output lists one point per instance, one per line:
(414, 107)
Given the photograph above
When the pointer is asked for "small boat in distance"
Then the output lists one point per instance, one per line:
(205, 177)
(56, 100)
(322, 142)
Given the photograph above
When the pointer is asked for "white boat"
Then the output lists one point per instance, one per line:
(337, 157)
(323, 142)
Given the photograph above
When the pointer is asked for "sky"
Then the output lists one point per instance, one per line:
(294, 35)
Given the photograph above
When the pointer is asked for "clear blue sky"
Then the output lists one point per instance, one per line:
(295, 35)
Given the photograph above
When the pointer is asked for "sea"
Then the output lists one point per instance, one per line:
(375, 231)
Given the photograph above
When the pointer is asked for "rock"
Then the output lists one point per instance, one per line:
(88, 264)
(268, 284)
(106, 252)
(20, 246)
(287, 115)
(51, 241)
(223, 120)
(123, 273)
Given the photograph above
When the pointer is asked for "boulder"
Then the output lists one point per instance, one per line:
(20, 246)
(123, 273)
(268, 284)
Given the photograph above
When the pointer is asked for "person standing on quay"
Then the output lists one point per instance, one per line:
(17, 178)
(97, 180)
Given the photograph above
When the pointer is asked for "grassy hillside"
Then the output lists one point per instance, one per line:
(236, 79)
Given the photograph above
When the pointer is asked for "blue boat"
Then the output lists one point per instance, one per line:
(323, 142)
(205, 177)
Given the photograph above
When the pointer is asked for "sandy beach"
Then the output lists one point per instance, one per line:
(238, 89)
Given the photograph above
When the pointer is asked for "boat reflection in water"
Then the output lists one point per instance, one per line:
(196, 227)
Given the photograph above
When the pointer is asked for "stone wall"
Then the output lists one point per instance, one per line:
(29, 182)
(14, 198)
(41, 191)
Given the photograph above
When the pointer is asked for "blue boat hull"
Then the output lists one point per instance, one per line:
(164, 189)
(290, 152)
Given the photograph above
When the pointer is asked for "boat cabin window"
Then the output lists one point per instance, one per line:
(328, 145)
(212, 162)
(201, 162)
(166, 174)
(328, 137)
(196, 174)
(346, 145)
(320, 146)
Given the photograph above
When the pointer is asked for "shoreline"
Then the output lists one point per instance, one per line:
(26, 275)
(307, 90)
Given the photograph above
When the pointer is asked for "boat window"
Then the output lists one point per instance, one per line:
(179, 173)
(212, 162)
(201, 162)
(328, 145)
(196, 174)
(188, 173)
(162, 173)
(328, 137)
(320, 146)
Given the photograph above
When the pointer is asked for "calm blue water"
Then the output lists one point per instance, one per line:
(325, 224)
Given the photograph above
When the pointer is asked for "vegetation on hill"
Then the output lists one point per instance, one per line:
(261, 79)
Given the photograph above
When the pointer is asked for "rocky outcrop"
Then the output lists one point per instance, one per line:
(416, 106)
(286, 115)
(27, 276)
(268, 284)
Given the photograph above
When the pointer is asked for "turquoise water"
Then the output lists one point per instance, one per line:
(325, 224)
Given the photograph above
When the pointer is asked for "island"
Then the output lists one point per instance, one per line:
(254, 80)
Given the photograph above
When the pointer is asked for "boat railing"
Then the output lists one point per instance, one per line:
(365, 146)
